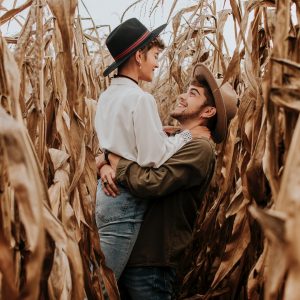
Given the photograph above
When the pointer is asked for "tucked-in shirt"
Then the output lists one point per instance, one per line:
(128, 124)
(176, 190)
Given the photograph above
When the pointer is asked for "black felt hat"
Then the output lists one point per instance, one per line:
(126, 39)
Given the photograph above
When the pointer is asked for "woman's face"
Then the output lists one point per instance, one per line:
(149, 62)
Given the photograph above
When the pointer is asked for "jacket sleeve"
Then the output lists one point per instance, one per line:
(185, 169)
(154, 147)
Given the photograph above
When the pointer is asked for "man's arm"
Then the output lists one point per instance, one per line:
(185, 169)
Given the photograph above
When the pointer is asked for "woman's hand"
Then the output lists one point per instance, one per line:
(100, 161)
(108, 176)
(114, 160)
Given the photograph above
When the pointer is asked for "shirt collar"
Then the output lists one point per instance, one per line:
(123, 81)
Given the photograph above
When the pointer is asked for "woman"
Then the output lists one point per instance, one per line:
(128, 124)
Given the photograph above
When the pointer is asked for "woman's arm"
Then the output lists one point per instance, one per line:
(154, 147)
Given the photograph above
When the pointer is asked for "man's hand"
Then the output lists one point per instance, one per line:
(100, 161)
(108, 176)
(200, 131)
(169, 130)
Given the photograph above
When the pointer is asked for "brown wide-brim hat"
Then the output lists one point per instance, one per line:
(225, 99)
(126, 39)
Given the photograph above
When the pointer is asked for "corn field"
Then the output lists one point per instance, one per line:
(246, 242)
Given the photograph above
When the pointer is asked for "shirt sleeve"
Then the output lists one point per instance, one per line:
(185, 169)
(154, 147)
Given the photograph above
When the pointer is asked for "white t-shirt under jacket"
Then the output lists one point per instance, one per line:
(128, 124)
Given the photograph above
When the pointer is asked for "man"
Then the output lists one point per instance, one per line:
(175, 189)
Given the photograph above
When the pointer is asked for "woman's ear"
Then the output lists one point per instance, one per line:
(138, 57)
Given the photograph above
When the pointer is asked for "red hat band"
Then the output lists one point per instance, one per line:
(136, 43)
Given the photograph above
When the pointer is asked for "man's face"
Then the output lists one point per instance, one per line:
(149, 63)
(190, 105)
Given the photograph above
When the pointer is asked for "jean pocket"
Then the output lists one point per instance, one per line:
(122, 208)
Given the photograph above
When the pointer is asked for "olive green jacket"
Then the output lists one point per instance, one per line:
(175, 191)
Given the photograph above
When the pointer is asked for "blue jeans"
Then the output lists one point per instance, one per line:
(147, 283)
(118, 220)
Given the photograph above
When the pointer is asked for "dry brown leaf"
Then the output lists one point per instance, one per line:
(29, 192)
(236, 246)
(256, 277)
(64, 14)
(11, 13)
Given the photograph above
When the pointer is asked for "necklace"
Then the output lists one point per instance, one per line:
(120, 75)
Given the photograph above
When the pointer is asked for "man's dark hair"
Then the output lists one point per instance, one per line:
(200, 82)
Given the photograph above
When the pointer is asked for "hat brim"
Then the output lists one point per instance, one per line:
(151, 37)
(219, 133)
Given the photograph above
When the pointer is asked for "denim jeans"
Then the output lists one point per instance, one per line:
(118, 220)
(147, 283)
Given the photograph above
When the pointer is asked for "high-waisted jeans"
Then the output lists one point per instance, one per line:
(118, 220)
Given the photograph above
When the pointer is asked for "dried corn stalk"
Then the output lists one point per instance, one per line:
(48, 234)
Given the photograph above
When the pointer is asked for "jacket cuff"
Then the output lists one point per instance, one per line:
(121, 169)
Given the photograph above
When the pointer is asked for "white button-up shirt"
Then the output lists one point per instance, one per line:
(128, 124)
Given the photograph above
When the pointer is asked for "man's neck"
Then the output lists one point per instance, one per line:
(199, 130)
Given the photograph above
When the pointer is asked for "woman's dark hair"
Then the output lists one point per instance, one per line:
(157, 42)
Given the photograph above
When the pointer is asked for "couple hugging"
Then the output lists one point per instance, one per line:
(152, 183)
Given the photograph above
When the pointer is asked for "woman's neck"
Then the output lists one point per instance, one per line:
(129, 72)
(122, 75)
